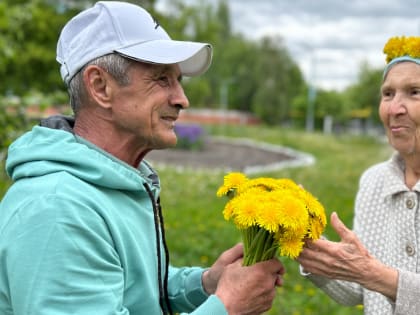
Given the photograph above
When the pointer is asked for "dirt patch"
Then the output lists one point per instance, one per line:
(233, 155)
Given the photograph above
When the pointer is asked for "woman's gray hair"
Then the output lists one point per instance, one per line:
(116, 65)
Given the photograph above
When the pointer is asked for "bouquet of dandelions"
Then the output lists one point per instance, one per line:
(272, 214)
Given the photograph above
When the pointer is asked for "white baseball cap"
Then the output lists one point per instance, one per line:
(114, 26)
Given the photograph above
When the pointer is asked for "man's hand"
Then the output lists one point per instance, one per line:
(243, 290)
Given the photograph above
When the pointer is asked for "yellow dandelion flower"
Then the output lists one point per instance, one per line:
(291, 248)
(399, 46)
(228, 211)
(245, 211)
(268, 215)
(272, 214)
(311, 292)
(285, 183)
(292, 212)
(316, 227)
(231, 182)
(251, 191)
(263, 182)
(315, 208)
(294, 233)
(394, 48)
(412, 46)
(222, 191)
(298, 288)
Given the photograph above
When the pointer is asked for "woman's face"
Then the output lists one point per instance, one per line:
(399, 109)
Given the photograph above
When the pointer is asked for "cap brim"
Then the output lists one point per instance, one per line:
(193, 58)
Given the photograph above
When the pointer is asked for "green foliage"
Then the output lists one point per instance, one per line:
(233, 68)
(4, 180)
(328, 103)
(14, 118)
(280, 81)
(365, 94)
(28, 37)
(12, 121)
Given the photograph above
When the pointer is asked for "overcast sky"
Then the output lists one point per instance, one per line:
(329, 39)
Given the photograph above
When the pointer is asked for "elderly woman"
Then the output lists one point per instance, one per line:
(378, 263)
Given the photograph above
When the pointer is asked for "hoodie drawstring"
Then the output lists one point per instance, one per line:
(160, 231)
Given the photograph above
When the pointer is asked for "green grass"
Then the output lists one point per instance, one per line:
(197, 232)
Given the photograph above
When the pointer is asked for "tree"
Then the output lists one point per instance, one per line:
(365, 93)
(258, 77)
(280, 80)
(28, 38)
(29, 31)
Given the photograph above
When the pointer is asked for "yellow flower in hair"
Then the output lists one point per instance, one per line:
(399, 46)
(412, 46)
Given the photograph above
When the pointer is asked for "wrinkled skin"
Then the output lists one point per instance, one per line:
(243, 290)
(348, 260)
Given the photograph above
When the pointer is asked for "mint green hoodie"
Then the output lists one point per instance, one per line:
(78, 235)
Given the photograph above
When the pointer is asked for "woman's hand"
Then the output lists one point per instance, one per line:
(348, 260)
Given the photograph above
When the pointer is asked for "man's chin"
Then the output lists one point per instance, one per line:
(166, 145)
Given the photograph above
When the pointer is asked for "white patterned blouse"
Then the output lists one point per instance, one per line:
(387, 221)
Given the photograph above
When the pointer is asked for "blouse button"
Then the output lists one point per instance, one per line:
(409, 203)
(410, 250)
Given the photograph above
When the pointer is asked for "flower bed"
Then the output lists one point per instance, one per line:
(190, 137)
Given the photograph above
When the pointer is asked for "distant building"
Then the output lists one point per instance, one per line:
(216, 116)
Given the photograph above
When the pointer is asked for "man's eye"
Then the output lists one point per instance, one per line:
(164, 80)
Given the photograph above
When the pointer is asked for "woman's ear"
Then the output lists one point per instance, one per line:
(98, 85)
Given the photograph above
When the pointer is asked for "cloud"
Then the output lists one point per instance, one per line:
(329, 39)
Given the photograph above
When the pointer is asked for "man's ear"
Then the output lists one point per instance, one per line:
(98, 85)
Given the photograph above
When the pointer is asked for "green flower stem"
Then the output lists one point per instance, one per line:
(271, 246)
(259, 245)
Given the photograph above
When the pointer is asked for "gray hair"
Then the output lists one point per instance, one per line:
(116, 65)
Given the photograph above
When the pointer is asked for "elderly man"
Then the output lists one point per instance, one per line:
(81, 228)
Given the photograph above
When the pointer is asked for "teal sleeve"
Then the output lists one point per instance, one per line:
(187, 295)
(61, 262)
(212, 306)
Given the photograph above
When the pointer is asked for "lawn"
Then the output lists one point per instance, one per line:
(197, 232)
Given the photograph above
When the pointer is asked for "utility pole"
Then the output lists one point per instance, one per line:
(224, 97)
(310, 109)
